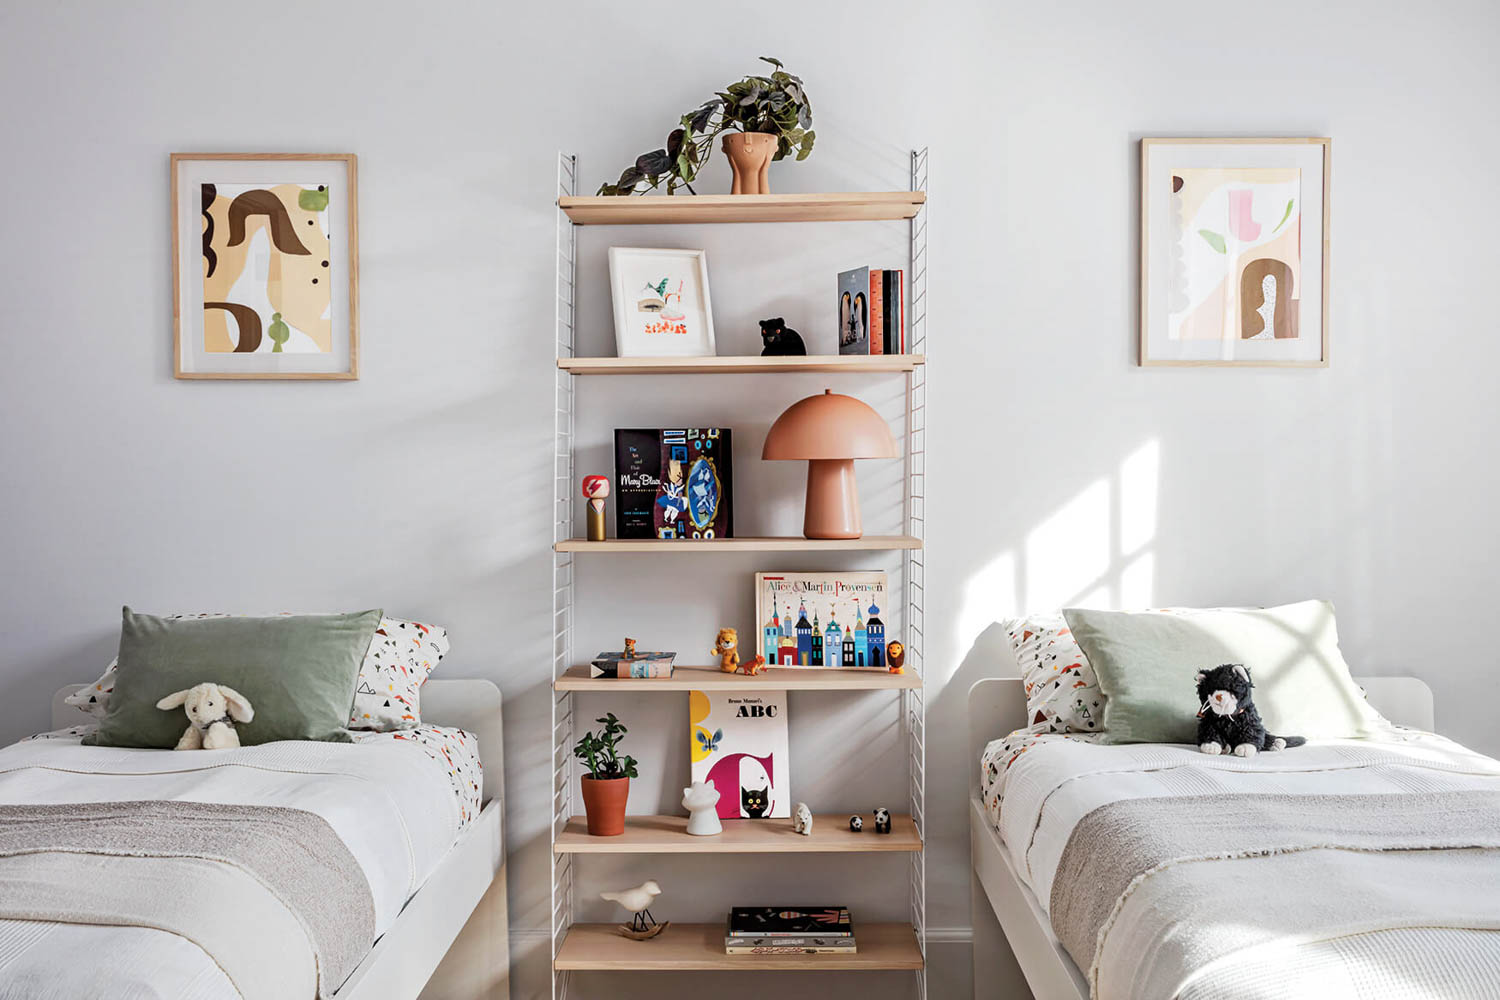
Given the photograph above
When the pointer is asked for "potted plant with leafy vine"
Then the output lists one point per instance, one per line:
(761, 119)
(607, 784)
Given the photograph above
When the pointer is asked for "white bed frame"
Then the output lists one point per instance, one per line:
(1014, 947)
(450, 941)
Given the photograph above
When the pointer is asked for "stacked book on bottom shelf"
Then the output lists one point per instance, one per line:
(782, 930)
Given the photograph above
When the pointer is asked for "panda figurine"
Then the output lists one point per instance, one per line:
(882, 820)
(856, 824)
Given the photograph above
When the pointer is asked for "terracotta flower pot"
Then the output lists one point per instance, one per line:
(750, 157)
(604, 803)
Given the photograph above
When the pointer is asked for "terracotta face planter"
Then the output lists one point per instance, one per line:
(604, 803)
(750, 157)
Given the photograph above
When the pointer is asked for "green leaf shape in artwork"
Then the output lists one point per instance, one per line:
(1213, 239)
(1285, 215)
(279, 332)
(312, 201)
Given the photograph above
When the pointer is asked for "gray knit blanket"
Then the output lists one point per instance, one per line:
(1339, 864)
(269, 892)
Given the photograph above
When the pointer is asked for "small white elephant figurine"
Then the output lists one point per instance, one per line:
(701, 800)
(212, 711)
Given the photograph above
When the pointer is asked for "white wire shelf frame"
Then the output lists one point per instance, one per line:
(913, 562)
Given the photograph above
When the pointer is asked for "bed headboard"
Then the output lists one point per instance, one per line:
(997, 705)
(471, 705)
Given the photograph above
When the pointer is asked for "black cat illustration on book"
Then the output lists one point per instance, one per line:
(755, 801)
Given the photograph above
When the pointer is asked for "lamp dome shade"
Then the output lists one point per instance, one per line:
(828, 426)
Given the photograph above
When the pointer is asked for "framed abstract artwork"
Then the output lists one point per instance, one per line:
(1234, 251)
(661, 303)
(265, 266)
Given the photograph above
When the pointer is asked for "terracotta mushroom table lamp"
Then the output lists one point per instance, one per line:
(829, 432)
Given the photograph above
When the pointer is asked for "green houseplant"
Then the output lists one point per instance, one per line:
(606, 787)
(775, 107)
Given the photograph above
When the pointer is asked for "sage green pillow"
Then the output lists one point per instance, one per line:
(298, 673)
(1147, 662)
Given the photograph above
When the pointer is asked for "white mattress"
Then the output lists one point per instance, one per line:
(397, 800)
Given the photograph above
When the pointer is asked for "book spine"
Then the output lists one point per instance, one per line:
(887, 289)
(791, 941)
(901, 310)
(637, 670)
(877, 311)
(779, 949)
(785, 935)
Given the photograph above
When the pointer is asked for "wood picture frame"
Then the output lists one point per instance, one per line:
(264, 319)
(1237, 171)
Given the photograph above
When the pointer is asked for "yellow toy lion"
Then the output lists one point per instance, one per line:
(727, 649)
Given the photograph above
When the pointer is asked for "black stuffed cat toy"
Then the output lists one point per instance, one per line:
(1228, 721)
(779, 340)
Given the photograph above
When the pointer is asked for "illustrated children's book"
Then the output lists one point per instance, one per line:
(674, 483)
(822, 619)
(739, 742)
(786, 921)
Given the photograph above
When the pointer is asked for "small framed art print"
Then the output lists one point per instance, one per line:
(265, 266)
(661, 303)
(1234, 251)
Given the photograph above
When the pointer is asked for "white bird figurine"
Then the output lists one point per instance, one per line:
(638, 901)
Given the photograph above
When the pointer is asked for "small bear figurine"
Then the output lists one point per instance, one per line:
(802, 819)
(779, 340)
(882, 820)
(1228, 721)
(856, 824)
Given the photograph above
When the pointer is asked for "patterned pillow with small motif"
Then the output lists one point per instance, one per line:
(1062, 693)
(386, 696)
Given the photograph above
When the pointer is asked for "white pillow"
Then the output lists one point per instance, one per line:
(387, 694)
(1062, 693)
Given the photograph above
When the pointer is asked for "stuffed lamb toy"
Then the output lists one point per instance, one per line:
(212, 711)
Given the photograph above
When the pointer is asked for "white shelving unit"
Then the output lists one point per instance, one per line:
(692, 947)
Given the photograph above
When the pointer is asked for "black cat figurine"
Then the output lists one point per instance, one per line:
(755, 801)
(779, 340)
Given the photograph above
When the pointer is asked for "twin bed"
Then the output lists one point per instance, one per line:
(284, 870)
(1362, 868)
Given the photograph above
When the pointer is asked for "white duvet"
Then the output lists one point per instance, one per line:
(397, 800)
(1038, 788)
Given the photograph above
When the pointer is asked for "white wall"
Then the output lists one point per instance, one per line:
(1060, 472)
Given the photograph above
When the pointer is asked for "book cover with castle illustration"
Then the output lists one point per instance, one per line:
(739, 742)
(821, 620)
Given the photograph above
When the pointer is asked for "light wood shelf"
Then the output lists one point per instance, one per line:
(727, 365)
(788, 543)
(697, 678)
(700, 948)
(668, 835)
(629, 210)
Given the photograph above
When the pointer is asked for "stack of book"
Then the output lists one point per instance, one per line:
(795, 930)
(872, 311)
(621, 664)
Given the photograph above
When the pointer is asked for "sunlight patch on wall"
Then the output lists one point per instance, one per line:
(1068, 555)
(989, 596)
(1140, 474)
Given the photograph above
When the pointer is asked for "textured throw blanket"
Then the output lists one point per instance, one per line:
(1150, 887)
(270, 893)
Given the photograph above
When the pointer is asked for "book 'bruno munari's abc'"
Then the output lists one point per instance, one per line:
(676, 483)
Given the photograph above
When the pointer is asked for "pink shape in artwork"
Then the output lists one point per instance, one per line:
(725, 774)
(1244, 228)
